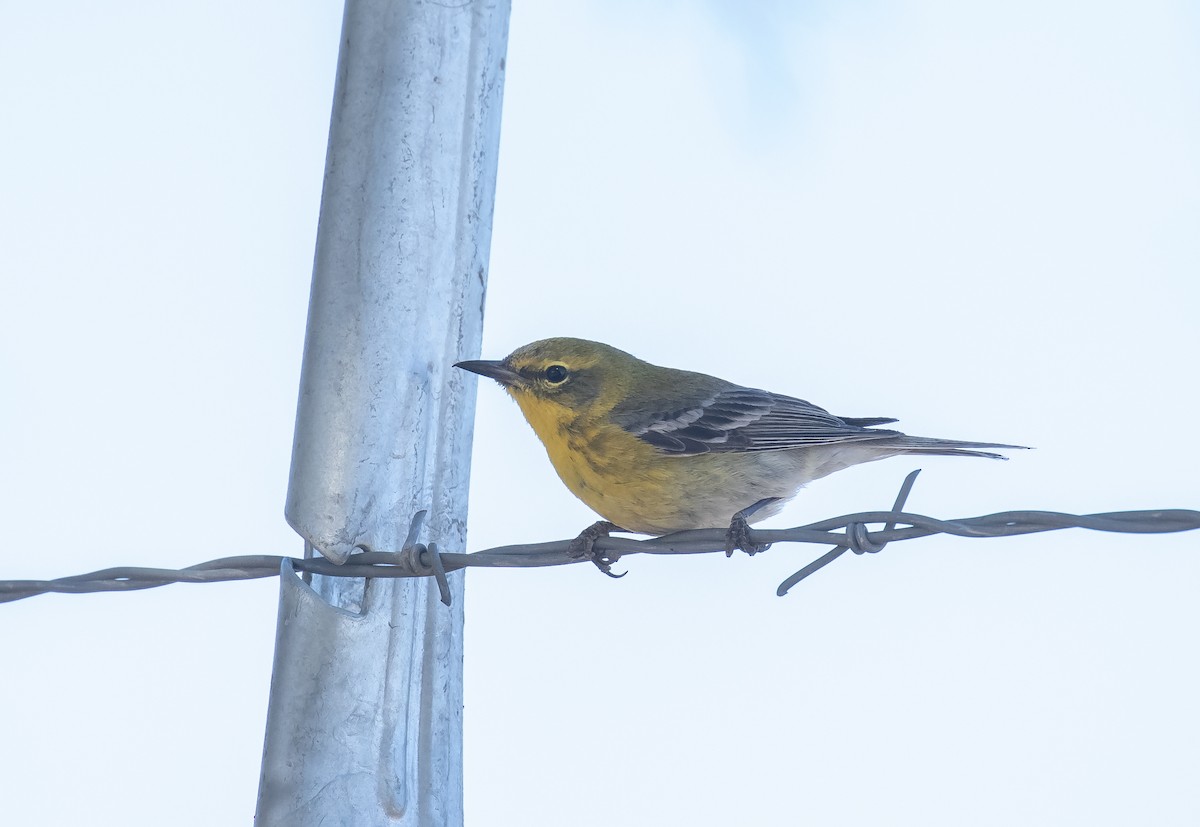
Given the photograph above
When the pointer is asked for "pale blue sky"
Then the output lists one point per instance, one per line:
(979, 220)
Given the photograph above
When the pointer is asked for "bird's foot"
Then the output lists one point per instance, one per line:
(737, 538)
(584, 546)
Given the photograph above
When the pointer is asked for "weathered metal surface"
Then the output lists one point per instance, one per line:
(365, 725)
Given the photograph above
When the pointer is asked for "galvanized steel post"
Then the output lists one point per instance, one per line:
(364, 725)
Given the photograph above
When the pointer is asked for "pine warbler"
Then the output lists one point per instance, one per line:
(655, 450)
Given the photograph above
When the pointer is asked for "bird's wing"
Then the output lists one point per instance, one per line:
(744, 419)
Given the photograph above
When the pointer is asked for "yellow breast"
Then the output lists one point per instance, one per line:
(626, 480)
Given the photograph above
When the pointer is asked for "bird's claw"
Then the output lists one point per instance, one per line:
(737, 538)
(584, 546)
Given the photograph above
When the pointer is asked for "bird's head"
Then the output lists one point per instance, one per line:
(574, 374)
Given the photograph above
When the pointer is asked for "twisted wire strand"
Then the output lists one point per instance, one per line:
(845, 533)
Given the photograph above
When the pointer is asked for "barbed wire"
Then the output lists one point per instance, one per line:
(846, 533)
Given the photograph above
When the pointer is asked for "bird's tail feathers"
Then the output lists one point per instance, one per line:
(948, 447)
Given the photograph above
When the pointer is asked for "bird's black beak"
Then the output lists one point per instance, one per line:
(493, 370)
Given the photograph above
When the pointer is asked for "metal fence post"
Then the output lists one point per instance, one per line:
(364, 725)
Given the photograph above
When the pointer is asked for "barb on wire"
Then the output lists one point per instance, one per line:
(846, 533)
(857, 539)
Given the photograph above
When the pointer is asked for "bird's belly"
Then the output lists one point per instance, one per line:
(653, 493)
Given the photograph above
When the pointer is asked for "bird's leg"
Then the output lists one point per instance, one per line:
(738, 535)
(584, 546)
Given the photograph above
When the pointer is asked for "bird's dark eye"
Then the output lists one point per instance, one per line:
(556, 374)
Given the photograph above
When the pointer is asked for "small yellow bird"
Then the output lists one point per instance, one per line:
(655, 450)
